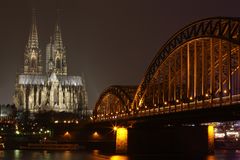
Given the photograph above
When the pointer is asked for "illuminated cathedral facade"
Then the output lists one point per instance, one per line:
(48, 88)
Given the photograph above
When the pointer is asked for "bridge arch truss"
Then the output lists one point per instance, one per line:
(199, 63)
(198, 67)
(114, 101)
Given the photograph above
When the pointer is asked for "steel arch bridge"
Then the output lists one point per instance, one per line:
(114, 101)
(198, 67)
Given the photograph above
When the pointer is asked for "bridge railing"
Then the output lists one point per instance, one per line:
(181, 107)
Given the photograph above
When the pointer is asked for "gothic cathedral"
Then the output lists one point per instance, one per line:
(50, 90)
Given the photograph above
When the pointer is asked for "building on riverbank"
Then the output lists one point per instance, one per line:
(48, 88)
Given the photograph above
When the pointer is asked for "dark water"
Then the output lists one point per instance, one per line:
(74, 155)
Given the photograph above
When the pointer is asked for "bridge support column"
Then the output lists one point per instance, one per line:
(197, 140)
(121, 140)
(210, 139)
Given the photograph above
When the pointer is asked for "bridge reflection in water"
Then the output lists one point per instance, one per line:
(195, 72)
(28, 155)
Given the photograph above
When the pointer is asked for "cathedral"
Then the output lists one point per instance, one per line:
(48, 88)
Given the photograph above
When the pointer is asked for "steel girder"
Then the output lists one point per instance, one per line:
(226, 28)
(124, 93)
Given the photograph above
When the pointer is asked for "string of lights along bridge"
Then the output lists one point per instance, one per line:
(198, 67)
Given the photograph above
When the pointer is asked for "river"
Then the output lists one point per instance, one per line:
(74, 155)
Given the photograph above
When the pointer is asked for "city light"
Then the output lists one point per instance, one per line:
(115, 128)
(95, 135)
(219, 135)
(67, 134)
(206, 95)
(232, 133)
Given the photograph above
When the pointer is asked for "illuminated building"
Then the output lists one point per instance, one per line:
(6, 111)
(52, 89)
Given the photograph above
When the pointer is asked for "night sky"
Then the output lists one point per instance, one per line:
(110, 41)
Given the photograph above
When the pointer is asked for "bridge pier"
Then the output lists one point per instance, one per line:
(176, 139)
(145, 138)
(121, 140)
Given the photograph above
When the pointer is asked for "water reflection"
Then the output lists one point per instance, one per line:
(96, 155)
(211, 157)
(46, 155)
(224, 154)
(118, 157)
(16, 154)
(1, 154)
(66, 155)
(95, 152)
(36, 155)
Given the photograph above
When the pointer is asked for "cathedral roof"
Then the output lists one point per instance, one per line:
(32, 79)
(71, 80)
(25, 79)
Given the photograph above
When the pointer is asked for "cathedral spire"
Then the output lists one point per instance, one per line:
(32, 56)
(56, 53)
(57, 34)
(33, 36)
(58, 38)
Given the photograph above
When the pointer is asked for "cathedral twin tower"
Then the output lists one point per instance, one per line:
(55, 53)
(52, 89)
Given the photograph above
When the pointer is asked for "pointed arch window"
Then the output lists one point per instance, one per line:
(33, 62)
(58, 63)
